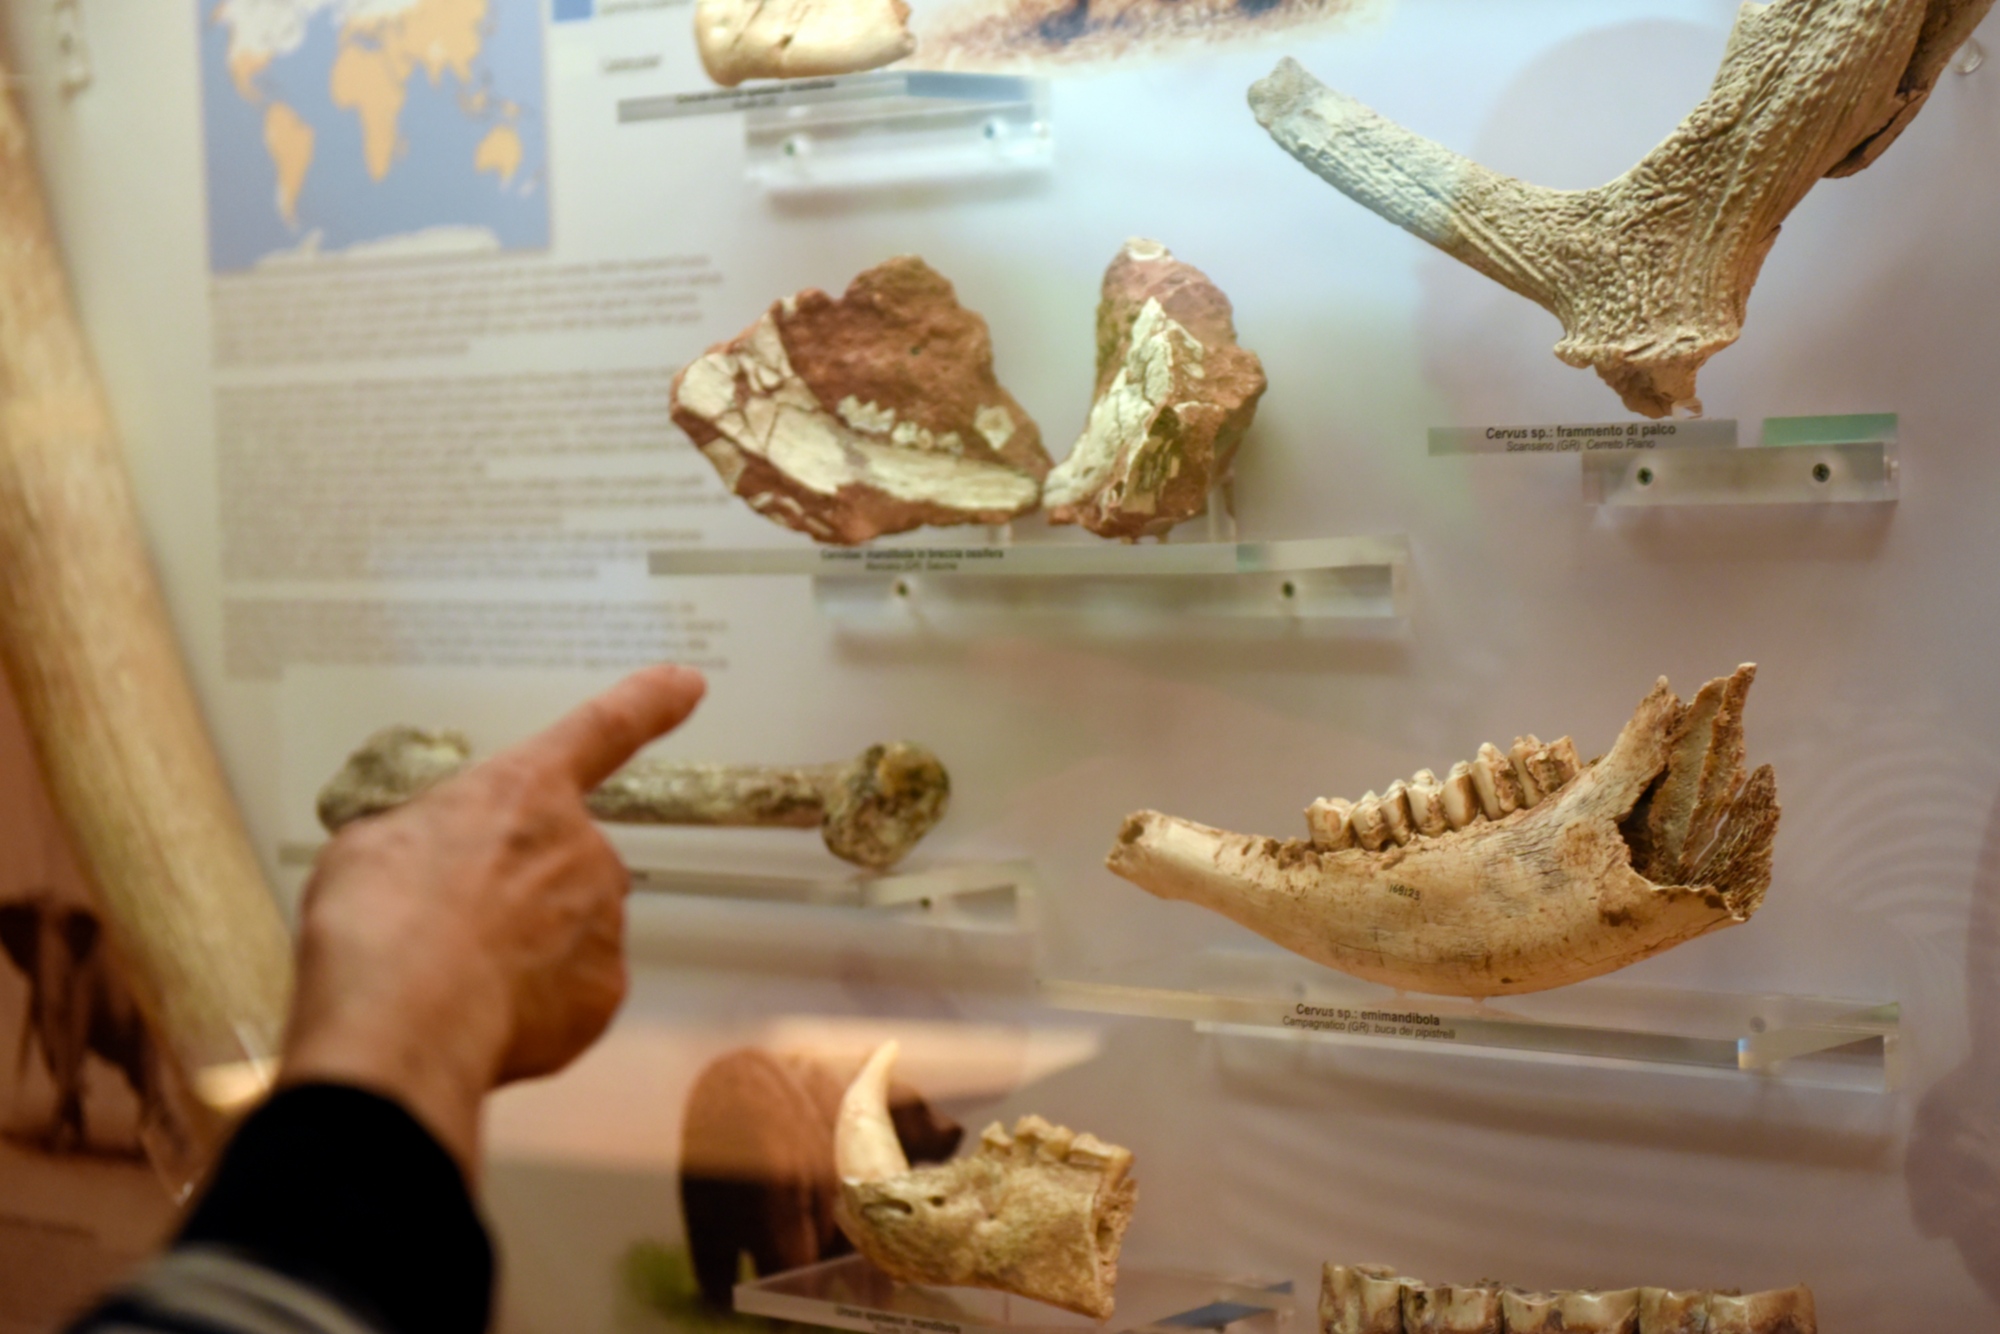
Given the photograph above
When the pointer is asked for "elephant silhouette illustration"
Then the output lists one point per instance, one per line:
(756, 1169)
(77, 1005)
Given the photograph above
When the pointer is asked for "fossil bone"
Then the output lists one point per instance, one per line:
(797, 39)
(1372, 1299)
(1040, 1212)
(871, 811)
(1175, 395)
(874, 413)
(756, 1162)
(1650, 273)
(1662, 840)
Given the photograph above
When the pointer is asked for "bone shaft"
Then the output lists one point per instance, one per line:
(657, 792)
(87, 647)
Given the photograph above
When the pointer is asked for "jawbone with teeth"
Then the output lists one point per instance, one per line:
(1374, 1299)
(1040, 1212)
(1517, 872)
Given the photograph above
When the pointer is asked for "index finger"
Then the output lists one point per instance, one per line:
(590, 741)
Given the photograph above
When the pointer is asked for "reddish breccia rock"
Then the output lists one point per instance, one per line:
(1175, 395)
(873, 413)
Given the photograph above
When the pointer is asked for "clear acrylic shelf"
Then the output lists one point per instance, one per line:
(1269, 993)
(861, 130)
(849, 1293)
(979, 891)
(1803, 474)
(1105, 585)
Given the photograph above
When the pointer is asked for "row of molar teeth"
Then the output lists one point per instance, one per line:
(1492, 786)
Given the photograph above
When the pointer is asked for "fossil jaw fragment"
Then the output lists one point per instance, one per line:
(870, 811)
(797, 39)
(1371, 1299)
(873, 413)
(1039, 1212)
(1175, 395)
(1650, 274)
(1548, 871)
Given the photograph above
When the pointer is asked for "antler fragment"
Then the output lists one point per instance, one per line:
(1517, 873)
(1650, 273)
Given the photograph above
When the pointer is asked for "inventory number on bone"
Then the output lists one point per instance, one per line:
(1408, 1024)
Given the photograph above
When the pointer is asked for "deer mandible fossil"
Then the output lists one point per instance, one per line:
(1517, 872)
(1650, 273)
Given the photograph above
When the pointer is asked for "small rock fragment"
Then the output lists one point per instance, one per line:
(1175, 395)
(797, 39)
(874, 413)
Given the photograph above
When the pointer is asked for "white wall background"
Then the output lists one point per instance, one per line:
(1875, 628)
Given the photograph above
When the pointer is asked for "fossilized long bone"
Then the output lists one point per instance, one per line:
(1374, 1299)
(1651, 272)
(871, 811)
(1040, 1212)
(1544, 872)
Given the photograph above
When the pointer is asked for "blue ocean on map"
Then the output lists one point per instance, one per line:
(432, 182)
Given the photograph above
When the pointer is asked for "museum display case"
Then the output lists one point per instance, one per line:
(1051, 478)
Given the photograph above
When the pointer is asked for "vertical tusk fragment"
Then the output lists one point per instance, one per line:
(1426, 797)
(865, 1147)
(1327, 823)
(1461, 796)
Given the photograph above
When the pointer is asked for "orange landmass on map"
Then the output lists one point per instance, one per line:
(500, 153)
(289, 140)
(244, 67)
(379, 54)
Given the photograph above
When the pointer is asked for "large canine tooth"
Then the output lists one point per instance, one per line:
(1517, 755)
(865, 1146)
(1396, 812)
(1327, 824)
(1371, 827)
(1426, 797)
(1493, 778)
(1040, 1212)
(1461, 796)
(1630, 857)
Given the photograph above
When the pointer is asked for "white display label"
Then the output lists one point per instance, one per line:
(1413, 1025)
(1583, 437)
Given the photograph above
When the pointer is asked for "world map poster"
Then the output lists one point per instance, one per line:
(371, 128)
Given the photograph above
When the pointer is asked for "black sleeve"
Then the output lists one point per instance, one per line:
(344, 1192)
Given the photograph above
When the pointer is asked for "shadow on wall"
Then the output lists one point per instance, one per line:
(1953, 1168)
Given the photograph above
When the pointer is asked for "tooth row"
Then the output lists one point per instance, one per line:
(1492, 786)
(1035, 1138)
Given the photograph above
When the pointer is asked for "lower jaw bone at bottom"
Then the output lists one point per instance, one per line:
(1661, 840)
(1039, 1212)
(1371, 1299)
